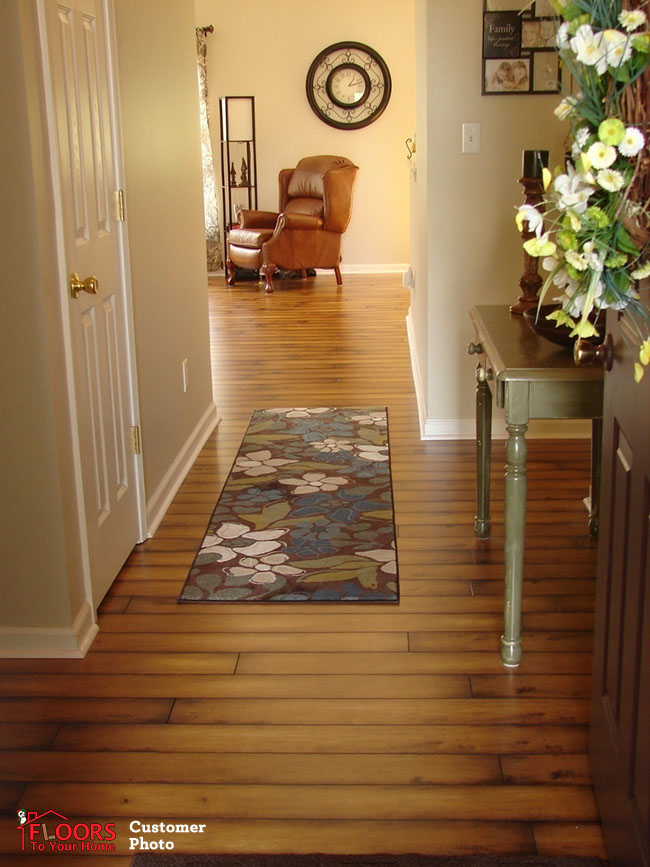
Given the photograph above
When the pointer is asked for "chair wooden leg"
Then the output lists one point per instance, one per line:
(337, 271)
(230, 272)
(269, 270)
(303, 273)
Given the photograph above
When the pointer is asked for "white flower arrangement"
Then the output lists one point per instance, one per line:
(592, 229)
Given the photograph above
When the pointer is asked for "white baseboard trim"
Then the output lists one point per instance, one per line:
(172, 480)
(465, 429)
(374, 268)
(389, 268)
(452, 429)
(49, 642)
(417, 381)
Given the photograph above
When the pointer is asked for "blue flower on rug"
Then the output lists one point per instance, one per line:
(306, 513)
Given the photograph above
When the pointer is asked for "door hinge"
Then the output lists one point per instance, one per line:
(135, 439)
(119, 206)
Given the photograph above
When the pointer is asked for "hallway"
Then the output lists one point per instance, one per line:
(329, 728)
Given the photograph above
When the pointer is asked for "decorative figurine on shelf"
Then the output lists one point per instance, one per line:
(534, 163)
(244, 173)
(233, 175)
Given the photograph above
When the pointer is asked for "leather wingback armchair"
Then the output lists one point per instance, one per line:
(315, 209)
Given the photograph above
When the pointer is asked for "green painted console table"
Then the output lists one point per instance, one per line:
(529, 377)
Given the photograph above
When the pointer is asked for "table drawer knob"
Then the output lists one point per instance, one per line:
(475, 349)
(585, 353)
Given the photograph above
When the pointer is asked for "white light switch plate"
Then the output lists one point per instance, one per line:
(471, 138)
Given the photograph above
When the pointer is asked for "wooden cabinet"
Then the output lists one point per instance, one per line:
(620, 717)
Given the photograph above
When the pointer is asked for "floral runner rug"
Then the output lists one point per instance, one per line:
(306, 514)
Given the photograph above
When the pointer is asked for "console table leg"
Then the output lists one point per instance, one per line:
(515, 526)
(483, 459)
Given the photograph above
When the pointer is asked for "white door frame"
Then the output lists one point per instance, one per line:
(125, 287)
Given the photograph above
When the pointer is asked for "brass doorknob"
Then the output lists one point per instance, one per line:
(586, 353)
(77, 285)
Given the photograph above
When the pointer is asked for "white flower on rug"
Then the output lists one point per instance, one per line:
(331, 445)
(263, 541)
(378, 418)
(305, 411)
(299, 411)
(264, 570)
(259, 463)
(386, 556)
(312, 483)
(368, 452)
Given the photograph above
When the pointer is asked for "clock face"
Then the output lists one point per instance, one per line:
(348, 85)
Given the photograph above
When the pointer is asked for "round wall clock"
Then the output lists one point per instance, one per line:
(348, 85)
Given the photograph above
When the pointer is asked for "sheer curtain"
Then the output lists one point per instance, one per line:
(214, 247)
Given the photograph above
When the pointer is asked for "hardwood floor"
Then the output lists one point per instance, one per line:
(330, 728)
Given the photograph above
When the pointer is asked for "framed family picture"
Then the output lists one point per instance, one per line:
(519, 53)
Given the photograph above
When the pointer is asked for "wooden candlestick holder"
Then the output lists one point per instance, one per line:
(530, 282)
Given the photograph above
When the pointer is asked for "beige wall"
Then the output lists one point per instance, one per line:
(473, 248)
(40, 578)
(264, 49)
(419, 186)
(43, 587)
(164, 195)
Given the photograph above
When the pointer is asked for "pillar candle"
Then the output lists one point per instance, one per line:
(533, 163)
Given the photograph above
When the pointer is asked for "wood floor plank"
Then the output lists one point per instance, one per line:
(582, 839)
(47, 710)
(206, 686)
(569, 641)
(322, 738)
(251, 768)
(410, 663)
(356, 728)
(542, 685)
(380, 622)
(262, 642)
(9, 794)
(546, 769)
(392, 711)
(544, 586)
(27, 736)
(126, 663)
(478, 802)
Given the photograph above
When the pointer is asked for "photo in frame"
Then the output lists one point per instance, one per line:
(546, 72)
(543, 9)
(507, 76)
(537, 33)
(519, 54)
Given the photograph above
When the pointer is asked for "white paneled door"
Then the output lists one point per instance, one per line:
(78, 63)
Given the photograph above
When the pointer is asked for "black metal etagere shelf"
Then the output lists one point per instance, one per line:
(238, 157)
